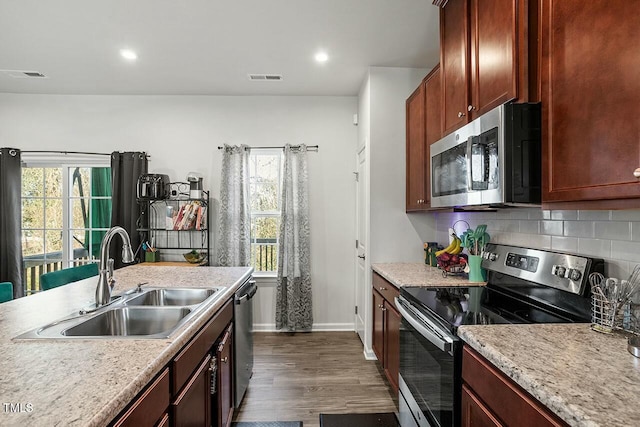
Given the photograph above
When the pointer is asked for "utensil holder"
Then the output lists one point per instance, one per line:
(603, 314)
(476, 272)
(150, 256)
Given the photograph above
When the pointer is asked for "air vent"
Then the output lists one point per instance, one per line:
(265, 77)
(18, 74)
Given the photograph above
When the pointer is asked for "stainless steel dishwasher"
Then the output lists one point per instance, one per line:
(243, 338)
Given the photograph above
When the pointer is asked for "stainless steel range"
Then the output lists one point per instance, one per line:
(524, 286)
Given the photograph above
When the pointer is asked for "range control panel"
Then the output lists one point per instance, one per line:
(523, 262)
(562, 271)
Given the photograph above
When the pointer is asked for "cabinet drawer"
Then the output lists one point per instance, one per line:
(186, 362)
(508, 401)
(150, 406)
(386, 289)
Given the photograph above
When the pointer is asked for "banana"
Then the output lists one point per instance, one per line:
(453, 248)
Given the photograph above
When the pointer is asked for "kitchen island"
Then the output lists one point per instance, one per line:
(584, 377)
(88, 382)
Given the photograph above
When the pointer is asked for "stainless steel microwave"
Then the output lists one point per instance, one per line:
(493, 161)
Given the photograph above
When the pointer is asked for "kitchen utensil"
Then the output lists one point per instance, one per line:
(477, 235)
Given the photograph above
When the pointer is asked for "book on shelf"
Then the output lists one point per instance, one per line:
(187, 217)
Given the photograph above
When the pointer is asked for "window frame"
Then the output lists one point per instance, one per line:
(67, 163)
(270, 213)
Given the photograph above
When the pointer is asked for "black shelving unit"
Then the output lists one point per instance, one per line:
(171, 236)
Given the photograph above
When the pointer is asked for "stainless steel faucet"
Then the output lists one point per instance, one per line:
(105, 281)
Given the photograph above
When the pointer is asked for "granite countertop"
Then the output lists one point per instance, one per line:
(67, 382)
(585, 377)
(419, 274)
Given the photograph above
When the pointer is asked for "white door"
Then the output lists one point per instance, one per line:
(361, 243)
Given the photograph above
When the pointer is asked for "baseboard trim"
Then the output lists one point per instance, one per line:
(369, 354)
(320, 327)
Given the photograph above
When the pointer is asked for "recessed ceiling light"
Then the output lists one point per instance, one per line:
(128, 54)
(322, 57)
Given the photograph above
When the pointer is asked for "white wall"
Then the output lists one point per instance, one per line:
(392, 234)
(182, 133)
(395, 236)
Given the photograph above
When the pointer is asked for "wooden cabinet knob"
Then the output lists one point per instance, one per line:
(471, 108)
(460, 114)
(382, 288)
(636, 173)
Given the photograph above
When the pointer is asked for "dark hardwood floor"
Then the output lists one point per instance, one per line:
(298, 376)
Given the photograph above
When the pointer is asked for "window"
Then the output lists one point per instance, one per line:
(264, 182)
(66, 211)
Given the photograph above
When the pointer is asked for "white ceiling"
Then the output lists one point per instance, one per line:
(208, 47)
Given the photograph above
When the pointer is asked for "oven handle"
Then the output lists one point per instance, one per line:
(435, 335)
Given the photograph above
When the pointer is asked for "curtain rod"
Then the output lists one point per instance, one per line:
(69, 152)
(309, 147)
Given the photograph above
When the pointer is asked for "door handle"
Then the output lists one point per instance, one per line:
(361, 256)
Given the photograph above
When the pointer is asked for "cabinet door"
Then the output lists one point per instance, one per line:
(392, 345)
(474, 413)
(378, 326)
(590, 93)
(150, 407)
(433, 102)
(454, 36)
(416, 197)
(225, 379)
(494, 40)
(192, 407)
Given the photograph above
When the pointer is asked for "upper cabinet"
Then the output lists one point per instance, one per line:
(590, 102)
(484, 55)
(423, 129)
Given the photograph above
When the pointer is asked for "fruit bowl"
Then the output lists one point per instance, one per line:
(195, 257)
(452, 264)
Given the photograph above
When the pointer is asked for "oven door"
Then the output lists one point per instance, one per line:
(430, 371)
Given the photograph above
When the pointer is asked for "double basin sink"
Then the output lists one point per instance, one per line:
(141, 313)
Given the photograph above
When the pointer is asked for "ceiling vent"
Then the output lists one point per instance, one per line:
(17, 74)
(265, 77)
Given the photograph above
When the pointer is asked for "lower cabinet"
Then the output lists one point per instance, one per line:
(150, 408)
(386, 328)
(202, 375)
(490, 398)
(224, 382)
(193, 405)
(196, 388)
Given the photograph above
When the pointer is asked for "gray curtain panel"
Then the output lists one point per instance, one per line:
(11, 219)
(234, 242)
(293, 293)
(126, 168)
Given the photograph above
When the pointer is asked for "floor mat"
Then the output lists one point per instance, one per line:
(267, 424)
(387, 419)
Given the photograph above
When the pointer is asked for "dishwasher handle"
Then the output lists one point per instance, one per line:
(248, 291)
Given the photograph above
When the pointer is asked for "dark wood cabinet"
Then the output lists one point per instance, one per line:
(454, 63)
(150, 408)
(192, 407)
(490, 398)
(590, 92)
(192, 372)
(224, 358)
(485, 57)
(423, 129)
(417, 160)
(386, 328)
(392, 344)
(474, 413)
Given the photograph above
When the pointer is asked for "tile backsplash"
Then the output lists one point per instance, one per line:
(611, 235)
